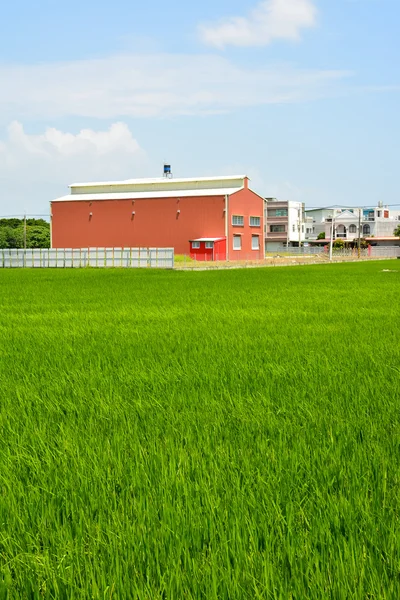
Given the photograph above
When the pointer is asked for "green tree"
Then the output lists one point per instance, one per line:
(321, 236)
(15, 236)
(3, 237)
(13, 223)
(37, 237)
(12, 233)
(397, 231)
(11, 237)
(38, 222)
(339, 243)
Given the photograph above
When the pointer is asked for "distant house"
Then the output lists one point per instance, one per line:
(164, 212)
(376, 225)
(284, 224)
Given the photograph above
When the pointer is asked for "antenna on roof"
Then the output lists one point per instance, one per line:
(167, 171)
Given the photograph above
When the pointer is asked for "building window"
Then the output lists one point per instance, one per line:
(237, 242)
(277, 228)
(379, 213)
(278, 212)
(352, 229)
(294, 227)
(195, 245)
(255, 242)
(209, 244)
(238, 220)
(366, 230)
(255, 221)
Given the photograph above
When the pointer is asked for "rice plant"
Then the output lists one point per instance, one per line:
(216, 435)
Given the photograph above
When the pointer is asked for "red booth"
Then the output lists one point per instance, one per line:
(208, 248)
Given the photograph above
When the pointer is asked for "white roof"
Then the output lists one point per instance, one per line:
(152, 194)
(163, 180)
(208, 239)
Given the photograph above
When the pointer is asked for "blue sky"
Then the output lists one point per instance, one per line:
(302, 95)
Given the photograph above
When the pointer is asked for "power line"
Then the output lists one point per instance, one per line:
(22, 216)
(349, 207)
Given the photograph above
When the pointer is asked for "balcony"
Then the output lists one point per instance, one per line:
(276, 235)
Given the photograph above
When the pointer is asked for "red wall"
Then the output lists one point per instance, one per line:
(220, 250)
(246, 203)
(156, 222)
(201, 253)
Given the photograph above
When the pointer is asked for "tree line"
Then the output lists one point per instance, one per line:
(12, 233)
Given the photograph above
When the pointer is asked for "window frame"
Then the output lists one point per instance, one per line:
(195, 245)
(238, 237)
(279, 230)
(255, 237)
(276, 211)
(252, 224)
(366, 227)
(238, 224)
(208, 246)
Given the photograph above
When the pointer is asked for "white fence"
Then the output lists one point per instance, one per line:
(370, 252)
(385, 251)
(159, 258)
(297, 251)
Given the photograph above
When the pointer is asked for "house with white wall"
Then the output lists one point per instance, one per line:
(284, 224)
(374, 224)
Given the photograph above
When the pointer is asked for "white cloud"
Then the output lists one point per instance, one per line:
(268, 21)
(55, 144)
(37, 168)
(153, 86)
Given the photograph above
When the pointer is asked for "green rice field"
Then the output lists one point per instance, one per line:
(200, 435)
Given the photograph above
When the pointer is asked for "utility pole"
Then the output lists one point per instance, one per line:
(24, 239)
(25, 231)
(299, 213)
(332, 233)
(359, 233)
(288, 225)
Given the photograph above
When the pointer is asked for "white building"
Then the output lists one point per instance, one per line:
(284, 224)
(348, 224)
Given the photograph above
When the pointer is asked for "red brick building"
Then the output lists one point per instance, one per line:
(162, 213)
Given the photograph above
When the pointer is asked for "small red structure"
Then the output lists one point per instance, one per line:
(204, 249)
